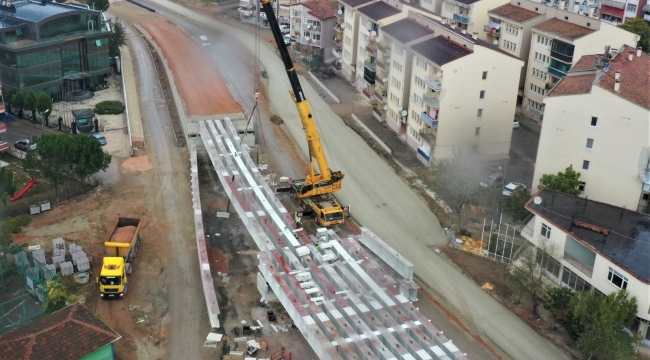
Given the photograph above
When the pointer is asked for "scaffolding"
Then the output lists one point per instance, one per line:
(23, 289)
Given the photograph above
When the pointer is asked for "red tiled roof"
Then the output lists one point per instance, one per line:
(587, 62)
(322, 9)
(67, 334)
(514, 13)
(573, 85)
(564, 29)
(635, 77)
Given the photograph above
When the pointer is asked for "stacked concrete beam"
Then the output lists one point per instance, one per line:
(343, 301)
(206, 276)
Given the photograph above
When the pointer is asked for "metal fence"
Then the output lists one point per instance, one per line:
(23, 289)
(502, 242)
(21, 207)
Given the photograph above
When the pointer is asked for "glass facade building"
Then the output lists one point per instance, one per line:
(52, 47)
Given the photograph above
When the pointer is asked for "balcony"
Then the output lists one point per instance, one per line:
(435, 85)
(370, 66)
(556, 72)
(369, 76)
(340, 13)
(461, 19)
(586, 269)
(562, 57)
(313, 28)
(371, 47)
(296, 20)
(336, 52)
(492, 31)
(646, 17)
(379, 114)
(428, 119)
(338, 27)
(431, 102)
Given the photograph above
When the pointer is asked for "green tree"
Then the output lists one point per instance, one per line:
(57, 296)
(117, 38)
(514, 205)
(43, 102)
(456, 181)
(88, 158)
(640, 27)
(603, 321)
(51, 160)
(30, 103)
(558, 302)
(99, 5)
(7, 184)
(527, 279)
(18, 100)
(566, 182)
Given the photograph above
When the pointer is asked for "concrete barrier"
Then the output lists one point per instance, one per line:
(324, 87)
(377, 139)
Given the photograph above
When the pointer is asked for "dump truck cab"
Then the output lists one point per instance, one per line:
(112, 279)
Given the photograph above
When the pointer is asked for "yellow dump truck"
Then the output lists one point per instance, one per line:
(121, 248)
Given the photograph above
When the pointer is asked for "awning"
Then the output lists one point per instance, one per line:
(608, 10)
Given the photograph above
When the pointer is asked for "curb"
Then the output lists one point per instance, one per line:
(324, 88)
(367, 129)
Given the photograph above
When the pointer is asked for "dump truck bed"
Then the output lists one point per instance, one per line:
(123, 237)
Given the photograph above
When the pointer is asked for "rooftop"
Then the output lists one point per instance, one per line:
(67, 334)
(36, 12)
(619, 234)
(635, 77)
(379, 10)
(563, 29)
(573, 85)
(322, 10)
(514, 13)
(466, 2)
(406, 30)
(355, 3)
(441, 50)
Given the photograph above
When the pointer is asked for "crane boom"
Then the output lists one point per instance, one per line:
(327, 181)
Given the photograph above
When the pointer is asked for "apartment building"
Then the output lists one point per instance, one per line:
(371, 17)
(392, 88)
(250, 11)
(597, 246)
(312, 25)
(645, 12)
(598, 120)
(469, 15)
(347, 28)
(463, 96)
(616, 12)
(556, 45)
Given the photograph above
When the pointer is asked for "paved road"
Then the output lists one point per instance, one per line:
(169, 190)
(523, 152)
(386, 205)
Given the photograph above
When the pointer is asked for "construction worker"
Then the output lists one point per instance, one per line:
(298, 220)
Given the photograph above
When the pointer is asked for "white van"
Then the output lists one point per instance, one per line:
(204, 40)
(284, 29)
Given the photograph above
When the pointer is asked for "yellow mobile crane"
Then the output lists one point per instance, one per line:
(314, 192)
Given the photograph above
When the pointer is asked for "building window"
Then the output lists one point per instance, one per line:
(348, 26)
(536, 106)
(397, 66)
(481, 95)
(421, 63)
(399, 50)
(594, 121)
(346, 53)
(573, 281)
(546, 231)
(419, 82)
(537, 89)
(542, 58)
(348, 41)
(590, 143)
(617, 279)
(417, 99)
(585, 164)
(394, 99)
(479, 113)
(484, 77)
(631, 8)
(548, 263)
(395, 83)
(477, 131)
(581, 186)
(539, 74)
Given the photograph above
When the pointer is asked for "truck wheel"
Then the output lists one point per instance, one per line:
(126, 286)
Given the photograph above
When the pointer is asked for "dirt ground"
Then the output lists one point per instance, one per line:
(200, 84)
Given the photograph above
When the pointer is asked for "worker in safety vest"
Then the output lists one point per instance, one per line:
(298, 220)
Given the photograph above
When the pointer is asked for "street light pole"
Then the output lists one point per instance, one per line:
(503, 180)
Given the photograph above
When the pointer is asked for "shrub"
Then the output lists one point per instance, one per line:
(109, 107)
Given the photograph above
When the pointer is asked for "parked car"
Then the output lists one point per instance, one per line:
(492, 180)
(515, 124)
(6, 117)
(25, 145)
(511, 187)
(287, 39)
(100, 138)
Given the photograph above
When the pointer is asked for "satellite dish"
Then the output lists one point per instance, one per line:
(495, 42)
(384, 80)
(373, 33)
(385, 107)
(439, 74)
(378, 40)
(537, 200)
(399, 108)
(404, 112)
(340, 61)
(340, 12)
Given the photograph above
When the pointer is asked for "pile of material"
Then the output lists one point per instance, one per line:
(474, 246)
(123, 234)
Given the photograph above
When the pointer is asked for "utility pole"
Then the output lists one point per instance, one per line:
(503, 184)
